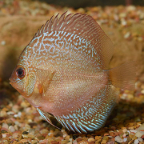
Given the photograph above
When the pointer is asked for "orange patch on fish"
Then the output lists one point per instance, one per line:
(40, 89)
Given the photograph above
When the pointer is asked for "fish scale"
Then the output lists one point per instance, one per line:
(92, 115)
(64, 71)
(58, 35)
(64, 53)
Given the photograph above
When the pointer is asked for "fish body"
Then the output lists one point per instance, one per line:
(64, 71)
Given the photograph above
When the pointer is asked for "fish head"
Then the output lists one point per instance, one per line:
(23, 78)
(29, 81)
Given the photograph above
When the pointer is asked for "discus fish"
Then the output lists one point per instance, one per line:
(64, 71)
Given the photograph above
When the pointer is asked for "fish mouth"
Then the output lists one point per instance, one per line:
(11, 82)
(15, 85)
(12, 79)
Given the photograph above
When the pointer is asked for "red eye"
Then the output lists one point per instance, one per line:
(20, 73)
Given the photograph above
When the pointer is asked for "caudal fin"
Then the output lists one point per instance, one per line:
(123, 76)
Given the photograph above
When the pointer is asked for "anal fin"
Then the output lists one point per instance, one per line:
(46, 116)
(93, 114)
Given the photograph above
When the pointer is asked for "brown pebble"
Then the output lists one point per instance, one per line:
(16, 134)
(40, 137)
(3, 113)
(11, 128)
(142, 136)
(44, 131)
(83, 142)
(23, 141)
(25, 132)
(110, 142)
(91, 139)
(25, 104)
(54, 142)
(4, 131)
(112, 134)
(5, 135)
(79, 139)
(98, 137)
(105, 138)
(104, 142)
(106, 134)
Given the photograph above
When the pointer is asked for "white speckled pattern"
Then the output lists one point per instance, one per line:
(65, 66)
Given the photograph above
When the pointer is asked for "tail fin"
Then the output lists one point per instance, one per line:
(123, 76)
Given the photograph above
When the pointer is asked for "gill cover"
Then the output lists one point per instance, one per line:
(29, 84)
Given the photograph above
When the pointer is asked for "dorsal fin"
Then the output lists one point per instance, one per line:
(84, 26)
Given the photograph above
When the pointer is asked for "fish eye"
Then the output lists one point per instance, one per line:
(20, 72)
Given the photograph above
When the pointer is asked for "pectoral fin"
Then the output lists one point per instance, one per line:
(44, 78)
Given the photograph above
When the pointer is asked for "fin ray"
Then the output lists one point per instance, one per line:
(84, 120)
(46, 117)
(123, 76)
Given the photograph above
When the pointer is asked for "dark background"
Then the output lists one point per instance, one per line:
(86, 3)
